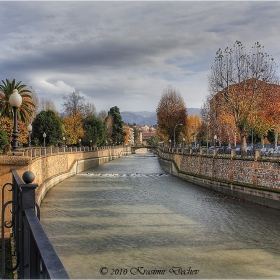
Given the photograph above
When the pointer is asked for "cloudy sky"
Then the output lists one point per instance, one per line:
(126, 53)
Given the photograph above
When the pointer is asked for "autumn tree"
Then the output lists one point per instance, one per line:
(127, 136)
(4, 141)
(171, 111)
(73, 106)
(270, 111)
(194, 126)
(238, 80)
(6, 125)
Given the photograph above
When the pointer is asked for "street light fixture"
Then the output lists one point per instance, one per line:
(215, 139)
(15, 100)
(174, 132)
(170, 143)
(29, 128)
(44, 135)
(184, 142)
(64, 141)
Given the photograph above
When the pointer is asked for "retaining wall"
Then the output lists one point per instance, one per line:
(51, 169)
(251, 180)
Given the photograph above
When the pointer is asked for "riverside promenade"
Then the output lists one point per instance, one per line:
(53, 165)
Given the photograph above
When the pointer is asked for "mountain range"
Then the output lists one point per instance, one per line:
(148, 118)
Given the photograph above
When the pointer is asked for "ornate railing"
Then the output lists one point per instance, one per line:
(34, 255)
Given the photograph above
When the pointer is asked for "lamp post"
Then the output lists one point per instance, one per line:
(64, 141)
(29, 128)
(170, 143)
(80, 140)
(15, 100)
(215, 139)
(44, 135)
(90, 143)
(184, 142)
(174, 132)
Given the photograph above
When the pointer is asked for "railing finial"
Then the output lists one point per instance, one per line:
(28, 177)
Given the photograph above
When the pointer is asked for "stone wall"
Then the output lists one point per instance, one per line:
(254, 180)
(51, 169)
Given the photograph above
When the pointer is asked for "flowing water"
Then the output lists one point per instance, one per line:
(129, 219)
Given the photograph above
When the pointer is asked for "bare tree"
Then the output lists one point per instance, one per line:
(89, 110)
(46, 104)
(102, 115)
(35, 101)
(237, 82)
(109, 122)
(73, 104)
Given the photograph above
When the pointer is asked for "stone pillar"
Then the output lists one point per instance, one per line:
(257, 154)
(214, 152)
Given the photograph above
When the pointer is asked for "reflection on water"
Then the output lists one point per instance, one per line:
(130, 219)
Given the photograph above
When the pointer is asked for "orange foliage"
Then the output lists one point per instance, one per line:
(7, 125)
(74, 128)
(127, 133)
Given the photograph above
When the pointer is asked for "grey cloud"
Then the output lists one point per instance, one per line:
(114, 49)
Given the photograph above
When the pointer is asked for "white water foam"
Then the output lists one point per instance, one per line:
(116, 175)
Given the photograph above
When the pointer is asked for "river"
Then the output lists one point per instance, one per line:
(129, 219)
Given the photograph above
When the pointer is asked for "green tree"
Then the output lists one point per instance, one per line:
(153, 141)
(50, 123)
(95, 131)
(27, 107)
(4, 140)
(118, 132)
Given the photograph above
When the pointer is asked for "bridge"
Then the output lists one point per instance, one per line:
(143, 149)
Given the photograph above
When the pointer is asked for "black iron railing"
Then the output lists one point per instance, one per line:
(34, 255)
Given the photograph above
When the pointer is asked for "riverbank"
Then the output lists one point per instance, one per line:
(262, 195)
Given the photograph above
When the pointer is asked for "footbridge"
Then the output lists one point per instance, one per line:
(143, 149)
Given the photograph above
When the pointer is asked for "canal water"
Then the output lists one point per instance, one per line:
(129, 219)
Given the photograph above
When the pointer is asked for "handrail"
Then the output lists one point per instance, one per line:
(35, 256)
(36, 152)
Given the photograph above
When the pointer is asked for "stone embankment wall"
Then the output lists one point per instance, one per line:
(249, 179)
(51, 169)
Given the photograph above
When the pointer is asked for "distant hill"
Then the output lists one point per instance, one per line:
(148, 118)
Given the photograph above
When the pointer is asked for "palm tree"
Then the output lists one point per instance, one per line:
(26, 108)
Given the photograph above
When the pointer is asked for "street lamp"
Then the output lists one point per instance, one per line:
(90, 142)
(215, 139)
(170, 143)
(80, 141)
(64, 140)
(44, 135)
(29, 128)
(15, 100)
(174, 131)
(184, 142)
